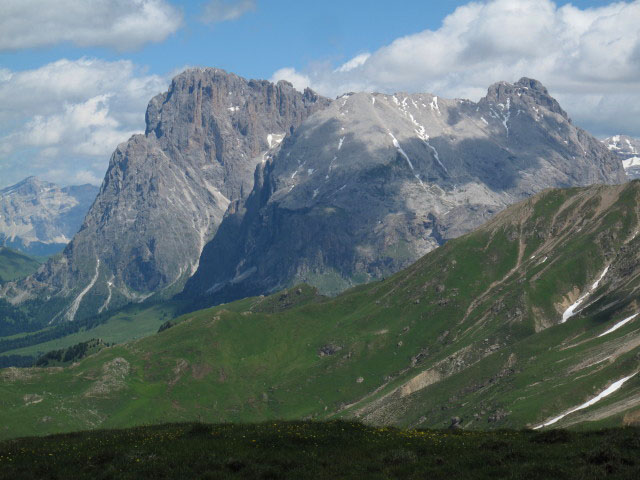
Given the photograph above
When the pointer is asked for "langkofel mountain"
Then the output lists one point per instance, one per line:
(165, 192)
(345, 191)
(41, 218)
(372, 183)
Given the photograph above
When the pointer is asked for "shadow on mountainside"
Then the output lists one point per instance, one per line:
(348, 231)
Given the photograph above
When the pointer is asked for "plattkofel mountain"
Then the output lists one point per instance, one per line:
(370, 184)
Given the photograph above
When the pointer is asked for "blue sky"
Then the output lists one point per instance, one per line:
(276, 33)
(75, 76)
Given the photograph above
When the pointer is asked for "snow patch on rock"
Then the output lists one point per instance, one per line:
(615, 386)
(571, 311)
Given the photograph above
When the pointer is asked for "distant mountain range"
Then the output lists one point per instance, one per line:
(627, 149)
(41, 218)
(253, 186)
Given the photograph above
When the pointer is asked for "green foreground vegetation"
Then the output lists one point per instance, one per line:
(473, 331)
(312, 450)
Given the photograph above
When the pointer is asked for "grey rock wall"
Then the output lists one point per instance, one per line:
(370, 184)
(165, 192)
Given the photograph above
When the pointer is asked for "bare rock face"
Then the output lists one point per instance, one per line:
(627, 149)
(368, 185)
(165, 192)
(40, 218)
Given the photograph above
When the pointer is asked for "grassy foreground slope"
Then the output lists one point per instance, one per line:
(15, 265)
(314, 450)
(470, 334)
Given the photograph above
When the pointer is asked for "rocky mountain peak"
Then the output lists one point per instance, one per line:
(224, 122)
(31, 181)
(30, 185)
(374, 181)
(526, 93)
(165, 192)
(533, 85)
(623, 144)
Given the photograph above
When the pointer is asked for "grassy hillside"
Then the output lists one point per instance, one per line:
(472, 332)
(129, 323)
(321, 450)
(15, 265)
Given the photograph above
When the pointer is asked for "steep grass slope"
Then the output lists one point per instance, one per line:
(477, 333)
(15, 265)
(128, 323)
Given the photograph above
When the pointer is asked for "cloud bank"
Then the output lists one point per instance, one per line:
(119, 24)
(68, 116)
(588, 58)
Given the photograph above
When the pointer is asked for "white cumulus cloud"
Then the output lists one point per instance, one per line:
(588, 58)
(298, 80)
(62, 121)
(119, 24)
(216, 11)
(354, 63)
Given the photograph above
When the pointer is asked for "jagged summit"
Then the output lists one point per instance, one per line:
(525, 93)
(533, 84)
(29, 184)
(165, 192)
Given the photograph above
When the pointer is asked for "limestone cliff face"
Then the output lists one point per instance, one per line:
(367, 186)
(165, 192)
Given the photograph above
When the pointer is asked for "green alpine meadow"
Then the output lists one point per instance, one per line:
(475, 335)
(15, 265)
